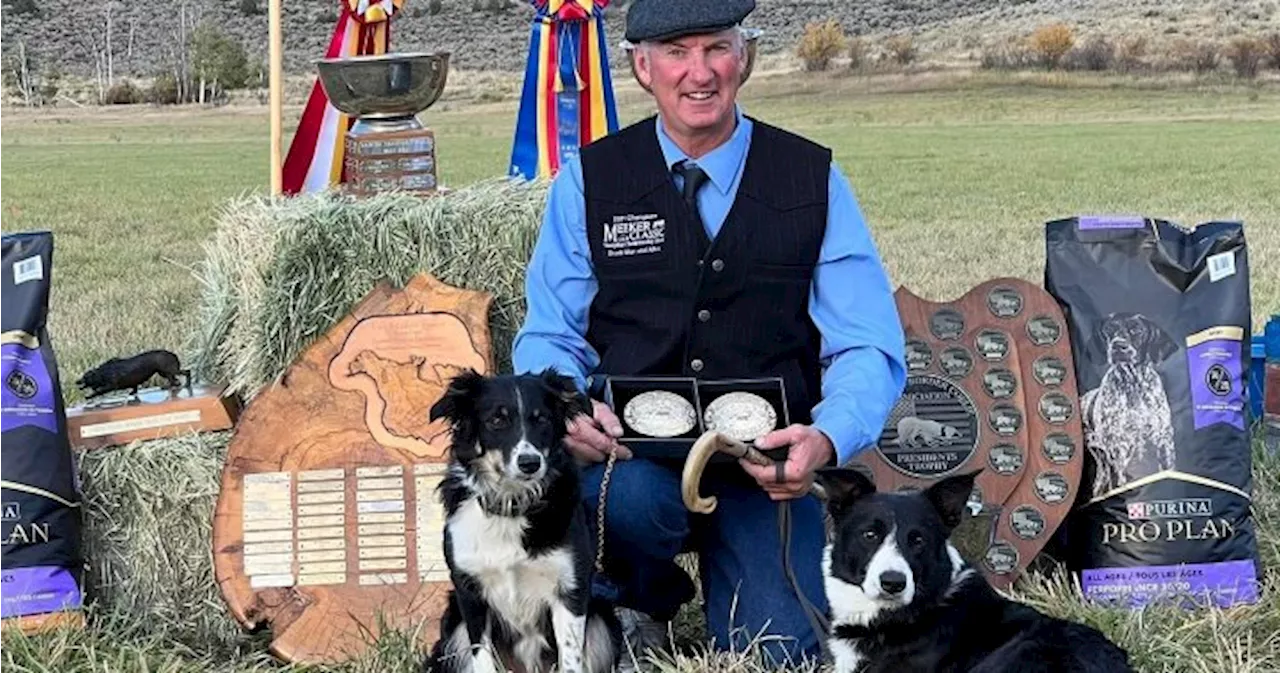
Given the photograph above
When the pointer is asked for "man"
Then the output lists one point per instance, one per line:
(704, 243)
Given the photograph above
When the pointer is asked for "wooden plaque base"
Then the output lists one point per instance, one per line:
(328, 526)
(990, 386)
(153, 414)
(32, 624)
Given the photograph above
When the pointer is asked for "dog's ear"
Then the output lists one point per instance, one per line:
(564, 393)
(1157, 345)
(950, 496)
(843, 486)
(457, 403)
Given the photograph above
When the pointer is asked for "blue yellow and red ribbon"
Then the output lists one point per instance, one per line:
(314, 162)
(567, 99)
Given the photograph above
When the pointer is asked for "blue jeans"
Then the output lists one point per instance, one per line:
(748, 595)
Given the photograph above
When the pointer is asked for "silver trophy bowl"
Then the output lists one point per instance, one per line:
(387, 90)
(752, 36)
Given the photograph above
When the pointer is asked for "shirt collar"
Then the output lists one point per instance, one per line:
(722, 164)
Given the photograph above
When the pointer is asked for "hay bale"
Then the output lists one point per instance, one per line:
(148, 512)
(277, 274)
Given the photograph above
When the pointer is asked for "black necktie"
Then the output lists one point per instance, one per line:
(694, 178)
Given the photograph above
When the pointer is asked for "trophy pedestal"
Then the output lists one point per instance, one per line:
(395, 153)
(153, 414)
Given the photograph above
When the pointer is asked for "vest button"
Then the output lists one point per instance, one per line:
(704, 315)
(696, 365)
(717, 265)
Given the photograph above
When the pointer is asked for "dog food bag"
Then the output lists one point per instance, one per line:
(1160, 324)
(1159, 321)
(41, 526)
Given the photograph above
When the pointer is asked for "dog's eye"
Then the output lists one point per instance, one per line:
(538, 417)
(871, 535)
(497, 422)
(916, 539)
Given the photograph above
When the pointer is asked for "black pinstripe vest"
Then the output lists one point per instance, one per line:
(672, 302)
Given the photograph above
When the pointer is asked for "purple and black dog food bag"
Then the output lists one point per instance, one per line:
(42, 566)
(1159, 321)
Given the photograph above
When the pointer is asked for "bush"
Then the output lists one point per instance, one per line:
(1246, 54)
(164, 90)
(123, 93)
(1051, 43)
(820, 43)
(1008, 55)
(1131, 54)
(1200, 57)
(857, 53)
(901, 49)
(1273, 50)
(1097, 54)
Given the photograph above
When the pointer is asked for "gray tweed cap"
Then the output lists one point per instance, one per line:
(660, 20)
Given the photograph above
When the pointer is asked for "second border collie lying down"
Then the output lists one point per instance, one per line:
(903, 600)
(516, 538)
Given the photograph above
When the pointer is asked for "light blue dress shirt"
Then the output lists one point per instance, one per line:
(851, 301)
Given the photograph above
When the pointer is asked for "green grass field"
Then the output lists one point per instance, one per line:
(955, 174)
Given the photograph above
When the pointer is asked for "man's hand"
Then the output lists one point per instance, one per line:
(593, 439)
(809, 449)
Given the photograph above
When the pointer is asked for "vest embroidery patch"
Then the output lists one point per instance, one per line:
(630, 234)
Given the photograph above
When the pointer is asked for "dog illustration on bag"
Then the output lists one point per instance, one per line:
(1127, 420)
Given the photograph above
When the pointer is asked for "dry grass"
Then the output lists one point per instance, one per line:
(954, 174)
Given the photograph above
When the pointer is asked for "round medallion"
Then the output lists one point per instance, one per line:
(1001, 558)
(999, 383)
(1005, 459)
(1049, 370)
(1043, 330)
(1005, 419)
(1055, 408)
(1027, 522)
(932, 430)
(741, 416)
(992, 345)
(1004, 302)
(947, 324)
(660, 413)
(1058, 448)
(1051, 487)
(956, 362)
(919, 355)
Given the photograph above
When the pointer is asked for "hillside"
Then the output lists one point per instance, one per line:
(480, 34)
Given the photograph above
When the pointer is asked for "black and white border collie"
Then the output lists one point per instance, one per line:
(903, 600)
(516, 538)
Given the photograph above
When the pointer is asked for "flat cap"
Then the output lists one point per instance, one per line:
(660, 20)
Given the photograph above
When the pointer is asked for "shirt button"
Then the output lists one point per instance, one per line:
(717, 264)
(696, 365)
(704, 315)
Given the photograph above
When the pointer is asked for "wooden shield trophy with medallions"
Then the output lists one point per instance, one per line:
(328, 527)
(990, 387)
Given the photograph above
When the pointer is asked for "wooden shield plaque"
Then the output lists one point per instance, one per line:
(990, 386)
(327, 524)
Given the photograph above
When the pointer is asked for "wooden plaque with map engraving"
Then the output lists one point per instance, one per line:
(991, 387)
(327, 525)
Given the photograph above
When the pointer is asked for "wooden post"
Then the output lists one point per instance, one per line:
(276, 58)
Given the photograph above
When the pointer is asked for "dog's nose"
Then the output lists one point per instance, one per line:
(529, 463)
(893, 582)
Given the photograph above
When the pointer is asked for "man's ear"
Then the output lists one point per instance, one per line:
(843, 487)
(458, 402)
(950, 496)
